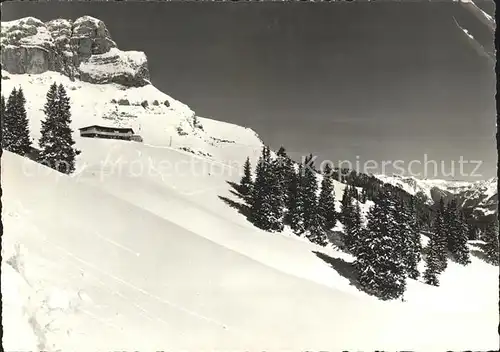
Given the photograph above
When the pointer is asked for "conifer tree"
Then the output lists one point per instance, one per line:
(281, 169)
(414, 254)
(353, 230)
(277, 196)
(260, 207)
(314, 222)
(67, 152)
(266, 210)
(380, 270)
(440, 236)
(56, 141)
(461, 249)
(309, 189)
(246, 183)
(436, 260)
(22, 143)
(490, 238)
(450, 223)
(354, 192)
(326, 202)
(49, 126)
(8, 121)
(346, 205)
(316, 232)
(349, 216)
(284, 169)
(456, 233)
(472, 233)
(409, 246)
(433, 262)
(294, 203)
(364, 196)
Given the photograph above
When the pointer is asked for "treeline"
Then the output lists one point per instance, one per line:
(387, 246)
(56, 142)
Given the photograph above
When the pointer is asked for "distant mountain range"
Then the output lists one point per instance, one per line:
(481, 197)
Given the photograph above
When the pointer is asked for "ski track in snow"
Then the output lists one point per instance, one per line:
(146, 293)
(121, 246)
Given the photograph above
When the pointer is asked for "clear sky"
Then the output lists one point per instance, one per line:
(347, 81)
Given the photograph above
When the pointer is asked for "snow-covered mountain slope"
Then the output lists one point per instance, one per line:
(479, 195)
(161, 120)
(99, 270)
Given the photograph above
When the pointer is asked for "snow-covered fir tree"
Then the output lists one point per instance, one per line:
(284, 169)
(316, 232)
(246, 182)
(314, 222)
(264, 212)
(326, 202)
(22, 143)
(15, 129)
(408, 236)
(462, 254)
(277, 187)
(456, 233)
(281, 173)
(346, 205)
(294, 203)
(439, 236)
(363, 196)
(351, 219)
(490, 238)
(8, 121)
(378, 265)
(354, 192)
(472, 232)
(309, 189)
(414, 243)
(432, 263)
(260, 206)
(436, 259)
(353, 230)
(56, 141)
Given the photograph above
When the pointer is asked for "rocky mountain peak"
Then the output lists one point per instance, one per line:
(80, 49)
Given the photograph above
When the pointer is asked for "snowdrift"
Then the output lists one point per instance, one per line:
(99, 273)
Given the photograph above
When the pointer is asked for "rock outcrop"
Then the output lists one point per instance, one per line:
(81, 49)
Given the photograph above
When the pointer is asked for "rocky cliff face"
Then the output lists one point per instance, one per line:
(81, 49)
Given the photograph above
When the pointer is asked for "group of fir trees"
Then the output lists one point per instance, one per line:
(449, 238)
(350, 216)
(15, 128)
(388, 250)
(56, 141)
(282, 194)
